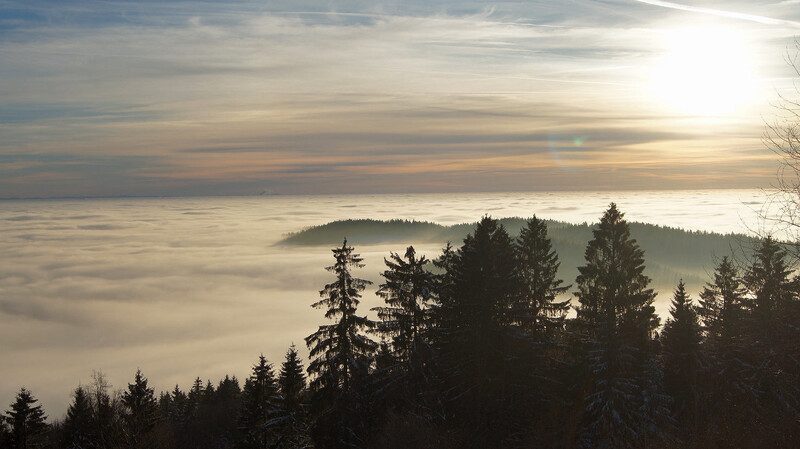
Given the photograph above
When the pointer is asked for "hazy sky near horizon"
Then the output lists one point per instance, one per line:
(228, 98)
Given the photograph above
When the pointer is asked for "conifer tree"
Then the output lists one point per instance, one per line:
(444, 285)
(79, 425)
(624, 408)
(537, 265)
(341, 355)
(5, 433)
(733, 400)
(226, 416)
(141, 411)
(260, 406)
(407, 291)
(195, 396)
(341, 352)
(479, 346)
(682, 357)
(771, 336)
(27, 421)
(722, 306)
(292, 381)
(444, 280)
(179, 410)
(771, 290)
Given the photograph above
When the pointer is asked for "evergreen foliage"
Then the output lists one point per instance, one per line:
(341, 354)
(408, 292)
(623, 409)
(78, 427)
(292, 382)
(722, 306)
(771, 343)
(27, 421)
(294, 432)
(537, 268)
(682, 358)
(481, 346)
(140, 411)
(340, 351)
(260, 407)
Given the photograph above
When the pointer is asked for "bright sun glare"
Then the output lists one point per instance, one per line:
(705, 72)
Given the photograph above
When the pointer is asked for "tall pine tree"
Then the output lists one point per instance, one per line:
(78, 427)
(537, 265)
(682, 358)
(624, 408)
(341, 355)
(27, 421)
(141, 411)
(733, 401)
(722, 307)
(479, 343)
(407, 291)
(260, 407)
(341, 352)
(292, 383)
(771, 344)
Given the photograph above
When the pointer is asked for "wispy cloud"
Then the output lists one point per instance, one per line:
(722, 13)
(175, 82)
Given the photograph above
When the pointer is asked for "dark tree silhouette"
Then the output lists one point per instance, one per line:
(140, 411)
(771, 290)
(722, 306)
(772, 344)
(732, 399)
(340, 351)
(294, 432)
(479, 343)
(260, 407)
(5, 433)
(292, 382)
(340, 355)
(107, 416)
(407, 291)
(27, 421)
(78, 427)
(624, 407)
(537, 268)
(682, 356)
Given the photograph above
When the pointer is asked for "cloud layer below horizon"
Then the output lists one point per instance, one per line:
(186, 287)
(204, 98)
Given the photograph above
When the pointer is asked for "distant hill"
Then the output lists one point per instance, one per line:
(670, 253)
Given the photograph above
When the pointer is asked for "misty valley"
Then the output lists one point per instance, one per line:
(516, 333)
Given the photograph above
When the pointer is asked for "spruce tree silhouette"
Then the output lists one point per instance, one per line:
(260, 407)
(27, 421)
(683, 360)
(625, 407)
(341, 355)
(140, 411)
(77, 429)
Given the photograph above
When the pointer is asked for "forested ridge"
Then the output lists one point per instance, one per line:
(488, 346)
(672, 253)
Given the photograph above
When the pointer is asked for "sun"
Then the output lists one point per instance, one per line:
(705, 71)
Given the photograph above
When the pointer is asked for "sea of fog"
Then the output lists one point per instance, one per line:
(188, 287)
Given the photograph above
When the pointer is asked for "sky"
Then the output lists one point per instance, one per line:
(182, 98)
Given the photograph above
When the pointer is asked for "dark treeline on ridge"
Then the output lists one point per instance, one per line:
(672, 254)
(477, 349)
